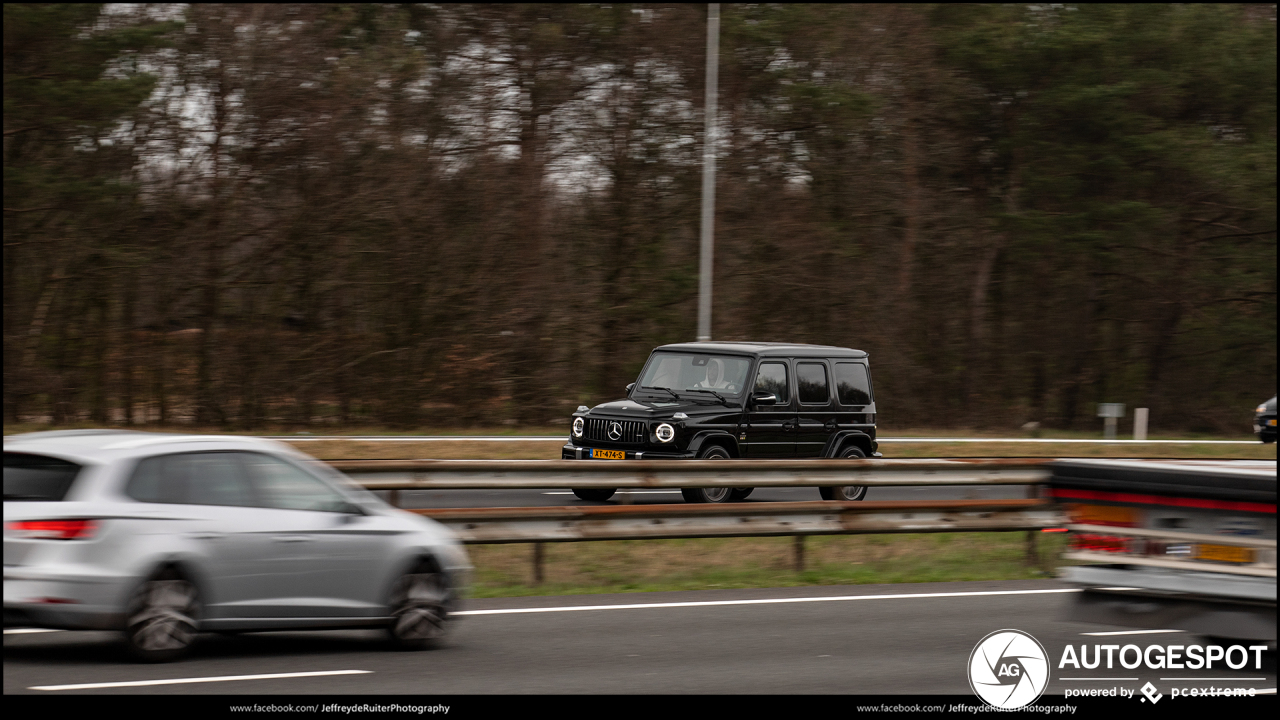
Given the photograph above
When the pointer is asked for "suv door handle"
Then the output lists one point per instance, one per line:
(831, 425)
(789, 425)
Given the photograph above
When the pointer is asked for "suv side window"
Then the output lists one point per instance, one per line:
(852, 384)
(812, 381)
(208, 478)
(772, 378)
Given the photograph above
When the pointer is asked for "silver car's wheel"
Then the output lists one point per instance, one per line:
(846, 493)
(419, 608)
(163, 618)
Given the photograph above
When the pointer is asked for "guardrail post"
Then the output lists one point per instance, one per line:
(798, 544)
(537, 563)
(1033, 549)
(394, 498)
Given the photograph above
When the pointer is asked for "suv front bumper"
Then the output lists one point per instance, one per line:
(579, 452)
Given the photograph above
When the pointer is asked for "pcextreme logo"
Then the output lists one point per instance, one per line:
(1008, 669)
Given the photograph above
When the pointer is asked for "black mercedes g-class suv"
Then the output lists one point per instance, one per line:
(720, 400)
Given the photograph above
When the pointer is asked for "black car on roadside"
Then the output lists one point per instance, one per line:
(1264, 421)
(724, 400)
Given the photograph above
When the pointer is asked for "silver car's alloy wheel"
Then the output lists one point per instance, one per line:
(163, 618)
(419, 608)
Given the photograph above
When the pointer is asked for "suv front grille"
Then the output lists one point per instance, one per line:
(632, 432)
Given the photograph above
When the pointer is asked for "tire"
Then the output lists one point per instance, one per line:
(419, 602)
(594, 494)
(846, 493)
(740, 494)
(715, 494)
(163, 617)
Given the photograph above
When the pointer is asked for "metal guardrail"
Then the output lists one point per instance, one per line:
(631, 522)
(587, 474)
(539, 525)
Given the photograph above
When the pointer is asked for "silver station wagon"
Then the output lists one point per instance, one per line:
(165, 536)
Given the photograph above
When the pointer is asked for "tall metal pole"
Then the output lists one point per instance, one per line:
(709, 173)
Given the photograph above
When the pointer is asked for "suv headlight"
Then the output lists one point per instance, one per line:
(1261, 408)
(665, 433)
(577, 427)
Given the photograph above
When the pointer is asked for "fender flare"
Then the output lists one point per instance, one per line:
(844, 437)
(701, 438)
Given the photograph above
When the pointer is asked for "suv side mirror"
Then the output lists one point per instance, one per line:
(764, 398)
(629, 388)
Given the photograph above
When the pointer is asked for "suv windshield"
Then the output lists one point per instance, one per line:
(37, 478)
(684, 372)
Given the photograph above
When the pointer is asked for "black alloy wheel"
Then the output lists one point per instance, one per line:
(163, 617)
(419, 608)
(710, 495)
(596, 495)
(846, 493)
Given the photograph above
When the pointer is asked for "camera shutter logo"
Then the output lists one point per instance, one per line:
(1008, 669)
(615, 431)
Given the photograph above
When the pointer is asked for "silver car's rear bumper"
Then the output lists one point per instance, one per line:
(34, 598)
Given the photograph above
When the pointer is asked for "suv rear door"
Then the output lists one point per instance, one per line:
(817, 414)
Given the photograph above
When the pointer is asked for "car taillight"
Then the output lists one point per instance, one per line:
(77, 529)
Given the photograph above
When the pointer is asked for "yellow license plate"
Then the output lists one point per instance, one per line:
(1272, 422)
(599, 454)
(1224, 553)
(1104, 515)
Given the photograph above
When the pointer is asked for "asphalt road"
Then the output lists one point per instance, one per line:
(908, 639)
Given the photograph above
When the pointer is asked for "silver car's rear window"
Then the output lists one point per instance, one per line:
(37, 478)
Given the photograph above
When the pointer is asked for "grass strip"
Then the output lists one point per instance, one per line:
(616, 566)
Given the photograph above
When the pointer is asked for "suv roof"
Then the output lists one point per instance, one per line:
(766, 349)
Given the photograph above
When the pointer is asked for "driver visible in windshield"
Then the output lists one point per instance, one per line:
(715, 375)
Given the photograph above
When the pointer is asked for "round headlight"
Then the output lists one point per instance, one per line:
(577, 427)
(665, 433)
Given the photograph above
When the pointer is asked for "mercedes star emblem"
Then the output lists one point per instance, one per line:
(615, 431)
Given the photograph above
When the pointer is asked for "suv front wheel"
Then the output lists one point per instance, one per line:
(714, 494)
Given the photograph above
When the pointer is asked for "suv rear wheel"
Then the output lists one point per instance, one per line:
(846, 493)
(713, 494)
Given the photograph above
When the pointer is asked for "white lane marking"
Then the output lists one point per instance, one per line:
(184, 681)
(1132, 632)
(629, 492)
(770, 601)
(27, 631)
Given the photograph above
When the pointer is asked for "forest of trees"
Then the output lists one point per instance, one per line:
(255, 215)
